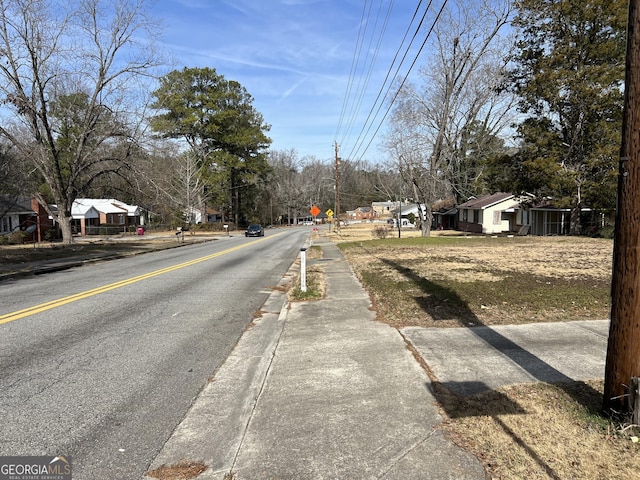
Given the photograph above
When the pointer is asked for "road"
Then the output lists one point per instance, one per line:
(111, 356)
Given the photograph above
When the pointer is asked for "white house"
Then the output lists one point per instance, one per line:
(89, 213)
(492, 214)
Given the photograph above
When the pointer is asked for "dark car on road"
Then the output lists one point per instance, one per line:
(254, 230)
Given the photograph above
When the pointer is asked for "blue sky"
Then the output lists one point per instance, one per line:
(293, 56)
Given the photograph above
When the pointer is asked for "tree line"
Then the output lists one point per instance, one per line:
(522, 97)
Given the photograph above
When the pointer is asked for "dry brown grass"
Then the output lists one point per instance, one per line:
(543, 431)
(186, 470)
(99, 246)
(454, 281)
(315, 279)
(532, 431)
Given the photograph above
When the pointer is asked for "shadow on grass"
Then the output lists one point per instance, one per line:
(444, 303)
(536, 367)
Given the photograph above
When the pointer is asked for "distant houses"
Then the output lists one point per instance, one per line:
(90, 216)
(19, 213)
(491, 214)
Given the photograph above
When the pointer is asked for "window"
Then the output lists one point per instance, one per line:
(497, 217)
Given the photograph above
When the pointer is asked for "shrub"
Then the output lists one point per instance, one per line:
(380, 231)
(605, 232)
(17, 237)
(50, 235)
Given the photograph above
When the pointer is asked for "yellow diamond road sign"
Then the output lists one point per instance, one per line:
(329, 213)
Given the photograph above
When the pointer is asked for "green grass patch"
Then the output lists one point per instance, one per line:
(315, 286)
(514, 297)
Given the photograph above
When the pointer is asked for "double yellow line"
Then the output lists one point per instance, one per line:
(43, 307)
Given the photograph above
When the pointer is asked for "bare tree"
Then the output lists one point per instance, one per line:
(13, 178)
(288, 192)
(459, 95)
(68, 81)
(184, 186)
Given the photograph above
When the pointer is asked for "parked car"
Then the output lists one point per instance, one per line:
(254, 230)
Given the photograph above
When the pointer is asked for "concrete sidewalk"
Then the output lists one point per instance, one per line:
(472, 360)
(319, 390)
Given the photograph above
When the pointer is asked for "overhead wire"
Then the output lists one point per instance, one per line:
(354, 64)
(353, 71)
(415, 14)
(399, 66)
(399, 89)
(355, 152)
(363, 88)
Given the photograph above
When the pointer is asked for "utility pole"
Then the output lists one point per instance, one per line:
(623, 352)
(337, 189)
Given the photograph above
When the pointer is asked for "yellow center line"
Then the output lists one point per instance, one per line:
(43, 307)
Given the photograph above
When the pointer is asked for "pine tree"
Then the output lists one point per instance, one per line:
(225, 133)
(569, 74)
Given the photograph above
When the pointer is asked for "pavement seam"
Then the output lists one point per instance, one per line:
(404, 454)
(582, 327)
(282, 317)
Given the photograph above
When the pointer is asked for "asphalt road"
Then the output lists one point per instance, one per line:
(111, 359)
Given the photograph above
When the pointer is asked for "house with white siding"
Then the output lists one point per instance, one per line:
(492, 214)
(88, 214)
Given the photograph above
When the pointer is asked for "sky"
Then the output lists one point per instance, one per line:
(296, 58)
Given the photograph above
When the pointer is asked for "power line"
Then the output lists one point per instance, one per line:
(371, 117)
(395, 75)
(353, 71)
(399, 88)
(372, 63)
(354, 64)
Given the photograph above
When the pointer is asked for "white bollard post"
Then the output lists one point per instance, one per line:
(303, 269)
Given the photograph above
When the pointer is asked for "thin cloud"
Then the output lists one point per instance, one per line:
(293, 57)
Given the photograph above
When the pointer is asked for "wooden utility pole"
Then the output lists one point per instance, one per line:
(623, 351)
(337, 189)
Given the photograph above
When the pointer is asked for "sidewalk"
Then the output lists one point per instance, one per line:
(319, 390)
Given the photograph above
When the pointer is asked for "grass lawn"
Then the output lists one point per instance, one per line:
(533, 431)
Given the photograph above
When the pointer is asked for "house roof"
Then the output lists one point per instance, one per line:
(12, 205)
(550, 208)
(82, 210)
(486, 201)
(442, 213)
(444, 204)
(407, 209)
(104, 205)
